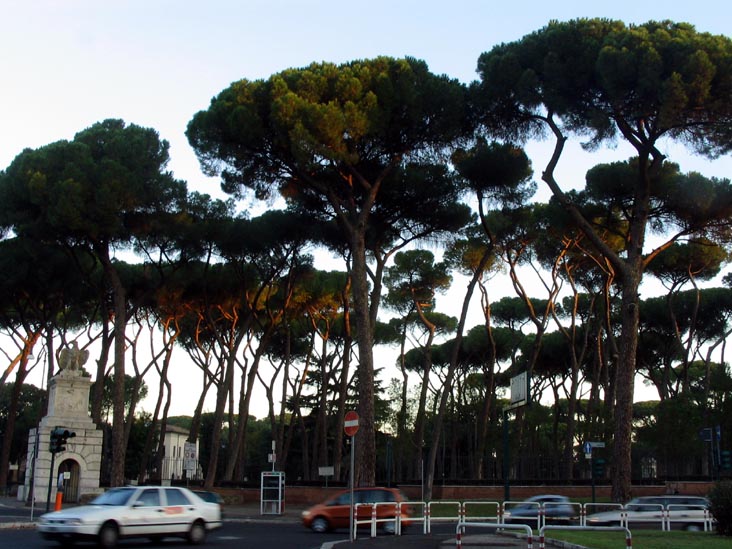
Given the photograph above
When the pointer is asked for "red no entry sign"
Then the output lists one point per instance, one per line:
(350, 426)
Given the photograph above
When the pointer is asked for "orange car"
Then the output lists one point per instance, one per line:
(335, 511)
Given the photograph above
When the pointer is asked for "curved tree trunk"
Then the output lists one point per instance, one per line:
(119, 448)
(344, 380)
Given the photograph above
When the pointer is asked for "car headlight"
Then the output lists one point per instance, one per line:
(305, 514)
(74, 521)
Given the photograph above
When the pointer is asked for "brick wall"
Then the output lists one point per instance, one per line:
(308, 495)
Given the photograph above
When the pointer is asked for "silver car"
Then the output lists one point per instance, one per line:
(154, 512)
(554, 509)
(678, 512)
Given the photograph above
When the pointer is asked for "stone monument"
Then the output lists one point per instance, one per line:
(79, 465)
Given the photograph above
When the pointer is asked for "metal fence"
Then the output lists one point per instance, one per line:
(473, 514)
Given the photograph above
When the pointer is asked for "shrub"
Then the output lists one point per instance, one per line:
(721, 506)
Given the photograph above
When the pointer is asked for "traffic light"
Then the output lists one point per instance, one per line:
(726, 460)
(59, 435)
(598, 468)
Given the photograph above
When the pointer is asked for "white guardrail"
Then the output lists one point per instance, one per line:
(392, 517)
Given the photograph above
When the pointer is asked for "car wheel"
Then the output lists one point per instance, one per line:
(693, 528)
(197, 533)
(320, 525)
(108, 535)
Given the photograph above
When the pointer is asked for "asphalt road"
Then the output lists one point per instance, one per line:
(245, 527)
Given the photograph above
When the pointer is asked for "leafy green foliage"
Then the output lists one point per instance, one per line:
(720, 498)
(107, 399)
(599, 75)
(27, 416)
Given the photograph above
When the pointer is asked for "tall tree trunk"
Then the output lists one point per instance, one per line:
(624, 389)
(344, 380)
(321, 424)
(365, 473)
(419, 422)
(119, 448)
(489, 389)
(221, 396)
(239, 445)
(160, 454)
(280, 446)
(196, 421)
(98, 388)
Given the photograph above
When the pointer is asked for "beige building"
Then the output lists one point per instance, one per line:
(180, 455)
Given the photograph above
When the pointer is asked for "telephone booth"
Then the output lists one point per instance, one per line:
(272, 499)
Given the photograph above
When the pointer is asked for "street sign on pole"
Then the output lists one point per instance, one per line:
(350, 426)
(190, 461)
(588, 450)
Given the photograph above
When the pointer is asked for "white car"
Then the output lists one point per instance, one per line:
(154, 512)
(679, 512)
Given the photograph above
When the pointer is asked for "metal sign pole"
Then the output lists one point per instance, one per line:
(587, 447)
(350, 514)
(506, 454)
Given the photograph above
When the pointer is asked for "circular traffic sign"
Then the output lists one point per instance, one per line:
(350, 426)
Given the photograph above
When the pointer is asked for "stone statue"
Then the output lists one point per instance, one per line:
(72, 359)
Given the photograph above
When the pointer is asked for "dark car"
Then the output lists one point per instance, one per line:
(211, 497)
(555, 508)
(335, 511)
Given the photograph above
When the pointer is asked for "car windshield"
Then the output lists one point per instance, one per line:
(116, 496)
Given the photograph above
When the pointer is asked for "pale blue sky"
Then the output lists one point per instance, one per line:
(67, 64)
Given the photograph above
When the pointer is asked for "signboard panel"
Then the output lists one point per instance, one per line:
(519, 389)
(190, 461)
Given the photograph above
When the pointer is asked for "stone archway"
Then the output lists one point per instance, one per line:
(71, 485)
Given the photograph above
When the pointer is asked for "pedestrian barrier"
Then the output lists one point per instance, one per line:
(439, 504)
(392, 521)
(471, 511)
(509, 513)
(589, 508)
(659, 515)
(358, 522)
(499, 515)
(547, 514)
(628, 535)
(460, 530)
(416, 516)
(705, 522)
